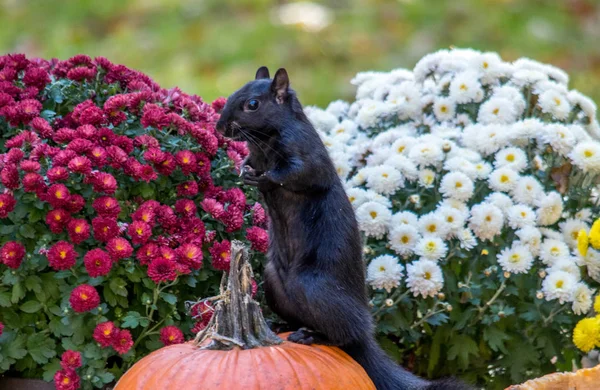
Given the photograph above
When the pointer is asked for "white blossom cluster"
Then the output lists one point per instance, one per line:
(464, 153)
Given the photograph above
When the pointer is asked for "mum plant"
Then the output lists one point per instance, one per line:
(471, 178)
(118, 202)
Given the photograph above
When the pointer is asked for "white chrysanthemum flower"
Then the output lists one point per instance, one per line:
(586, 104)
(465, 88)
(568, 264)
(497, 110)
(500, 200)
(431, 247)
(586, 155)
(552, 250)
(385, 179)
(559, 137)
(462, 165)
(405, 99)
(528, 190)
(455, 204)
(384, 272)
(406, 167)
(486, 221)
(373, 196)
(402, 145)
(591, 261)
(371, 113)
(513, 158)
(503, 179)
(444, 108)
(582, 298)
(378, 157)
(467, 239)
(516, 259)
(530, 237)
(559, 285)
(570, 230)
(426, 178)
(550, 208)
(554, 102)
(523, 77)
(462, 120)
(514, 95)
(338, 108)
(341, 165)
(454, 218)
(320, 119)
(426, 154)
(527, 129)
(520, 216)
(483, 169)
(403, 238)
(490, 138)
(373, 219)
(356, 196)
(404, 218)
(585, 214)
(330, 142)
(457, 185)
(433, 224)
(424, 277)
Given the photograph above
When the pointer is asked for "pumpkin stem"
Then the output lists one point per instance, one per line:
(237, 320)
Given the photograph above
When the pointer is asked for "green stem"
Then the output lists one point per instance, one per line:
(553, 313)
(489, 303)
(396, 299)
(427, 316)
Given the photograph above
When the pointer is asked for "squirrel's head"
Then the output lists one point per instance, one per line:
(254, 111)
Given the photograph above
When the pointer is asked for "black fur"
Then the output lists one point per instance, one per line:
(315, 274)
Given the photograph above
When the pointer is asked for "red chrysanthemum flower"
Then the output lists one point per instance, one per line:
(105, 182)
(7, 204)
(161, 269)
(189, 188)
(186, 160)
(259, 238)
(202, 311)
(207, 139)
(84, 298)
(62, 256)
(233, 218)
(62, 136)
(218, 104)
(190, 255)
(259, 216)
(202, 164)
(166, 217)
(198, 327)
(97, 263)
(167, 165)
(36, 77)
(170, 335)
(56, 174)
(139, 232)
(57, 219)
(154, 155)
(122, 342)
(221, 255)
(66, 379)
(42, 127)
(117, 155)
(87, 113)
(79, 230)
(30, 166)
(107, 206)
(154, 116)
(88, 132)
(146, 173)
(114, 106)
(32, 182)
(119, 248)
(14, 156)
(185, 207)
(80, 165)
(98, 156)
(75, 203)
(9, 176)
(105, 228)
(147, 253)
(70, 359)
(104, 333)
(57, 195)
(1, 328)
(144, 214)
(80, 145)
(12, 254)
(28, 109)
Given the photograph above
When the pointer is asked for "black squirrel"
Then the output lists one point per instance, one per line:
(314, 278)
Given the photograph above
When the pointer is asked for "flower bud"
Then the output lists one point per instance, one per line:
(485, 252)
(506, 274)
(414, 199)
(441, 296)
(539, 295)
(542, 274)
(389, 302)
(501, 314)
(448, 308)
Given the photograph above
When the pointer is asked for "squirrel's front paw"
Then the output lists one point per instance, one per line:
(262, 181)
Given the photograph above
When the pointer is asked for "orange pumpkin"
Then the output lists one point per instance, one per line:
(238, 351)
(584, 379)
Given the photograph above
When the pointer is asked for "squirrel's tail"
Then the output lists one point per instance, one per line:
(387, 375)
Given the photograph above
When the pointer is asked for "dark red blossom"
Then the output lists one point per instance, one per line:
(147, 253)
(30, 166)
(79, 230)
(104, 182)
(206, 139)
(66, 379)
(107, 206)
(213, 207)
(9, 176)
(12, 254)
(1, 328)
(61, 256)
(36, 77)
(80, 165)
(259, 216)
(88, 132)
(57, 219)
(154, 116)
(186, 161)
(106, 136)
(97, 262)
(81, 73)
(144, 214)
(167, 165)
(185, 207)
(42, 127)
(14, 156)
(105, 228)
(104, 333)
(146, 141)
(84, 298)
(56, 174)
(139, 232)
(87, 113)
(119, 248)
(98, 156)
(259, 238)
(63, 157)
(170, 335)
(70, 359)
(233, 218)
(32, 182)
(221, 255)
(190, 255)
(75, 204)
(218, 104)
(189, 188)
(161, 270)
(122, 342)
(64, 135)
(146, 173)
(7, 204)
(80, 145)
(154, 155)
(58, 195)
(202, 311)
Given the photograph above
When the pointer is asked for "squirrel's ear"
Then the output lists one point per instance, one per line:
(262, 73)
(280, 85)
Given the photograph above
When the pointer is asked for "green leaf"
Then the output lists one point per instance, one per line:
(106, 377)
(7, 229)
(15, 349)
(462, 346)
(169, 298)
(131, 320)
(27, 231)
(41, 347)
(17, 293)
(31, 306)
(33, 283)
(434, 351)
(50, 369)
(117, 285)
(495, 338)
(92, 351)
(146, 190)
(4, 299)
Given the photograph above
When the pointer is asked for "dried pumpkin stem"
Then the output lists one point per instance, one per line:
(237, 320)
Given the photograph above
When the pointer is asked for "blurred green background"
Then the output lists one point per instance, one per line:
(211, 47)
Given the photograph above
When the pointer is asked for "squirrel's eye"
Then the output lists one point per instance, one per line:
(252, 105)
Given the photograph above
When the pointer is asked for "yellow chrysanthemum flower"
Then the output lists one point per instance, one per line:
(597, 304)
(595, 234)
(586, 334)
(582, 242)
